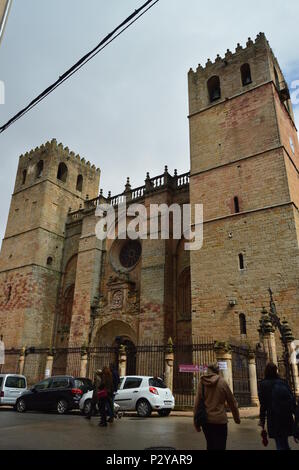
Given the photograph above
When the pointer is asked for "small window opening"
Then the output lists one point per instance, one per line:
(214, 88)
(79, 186)
(24, 176)
(9, 293)
(237, 205)
(243, 325)
(241, 262)
(50, 261)
(62, 172)
(39, 169)
(246, 74)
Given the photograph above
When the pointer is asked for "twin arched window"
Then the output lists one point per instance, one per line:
(214, 87)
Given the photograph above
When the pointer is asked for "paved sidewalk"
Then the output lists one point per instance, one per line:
(250, 413)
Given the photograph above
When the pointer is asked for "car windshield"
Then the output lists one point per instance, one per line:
(15, 382)
(156, 382)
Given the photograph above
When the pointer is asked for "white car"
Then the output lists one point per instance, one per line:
(11, 388)
(144, 394)
(141, 394)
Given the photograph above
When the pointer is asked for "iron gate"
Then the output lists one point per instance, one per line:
(241, 382)
(199, 353)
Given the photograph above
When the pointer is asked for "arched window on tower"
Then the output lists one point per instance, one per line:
(39, 169)
(62, 172)
(79, 186)
(24, 176)
(246, 74)
(214, 88)
(243, 325)
(184, 296)
(236, 205)
(241, 262)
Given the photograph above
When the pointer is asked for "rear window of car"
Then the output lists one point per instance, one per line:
(1, 381)
(60, 383)
(15, 382)
(84, 384)
(156, 382)
(132, 382)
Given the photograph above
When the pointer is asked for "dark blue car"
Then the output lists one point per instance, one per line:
(61, 394)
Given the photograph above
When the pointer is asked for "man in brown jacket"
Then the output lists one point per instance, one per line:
(217, 395)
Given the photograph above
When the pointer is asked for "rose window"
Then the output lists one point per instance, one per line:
(130, 254)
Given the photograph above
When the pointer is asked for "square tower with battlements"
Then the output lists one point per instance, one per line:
(244, 170)
(51, 181)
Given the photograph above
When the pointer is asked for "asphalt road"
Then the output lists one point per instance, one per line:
(48, 431)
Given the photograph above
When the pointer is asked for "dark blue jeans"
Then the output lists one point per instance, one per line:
(282, 443)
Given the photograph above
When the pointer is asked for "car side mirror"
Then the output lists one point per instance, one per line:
(33, 389)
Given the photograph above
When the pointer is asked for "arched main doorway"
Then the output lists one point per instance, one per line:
(115, 334)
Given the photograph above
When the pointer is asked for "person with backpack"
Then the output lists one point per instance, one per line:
(277, 408)
(210, 408)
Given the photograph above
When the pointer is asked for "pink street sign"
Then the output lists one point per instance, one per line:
(189, 368)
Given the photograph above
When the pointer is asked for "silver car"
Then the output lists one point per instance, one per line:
(11, 388)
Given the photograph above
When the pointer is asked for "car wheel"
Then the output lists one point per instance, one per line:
(62, 407)
(21, 406)
(86, 407)
(164, 413)
(143, 408)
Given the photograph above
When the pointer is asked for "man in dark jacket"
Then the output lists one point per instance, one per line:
(278, 407)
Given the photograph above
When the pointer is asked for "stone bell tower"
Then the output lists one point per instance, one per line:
(50, 180)
(244, 170)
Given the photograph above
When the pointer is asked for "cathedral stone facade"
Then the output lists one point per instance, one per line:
(60, 285)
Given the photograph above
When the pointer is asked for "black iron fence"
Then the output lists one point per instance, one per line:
(240, 370)
(190, 362)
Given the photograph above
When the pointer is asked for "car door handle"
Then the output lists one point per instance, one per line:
(136, 391)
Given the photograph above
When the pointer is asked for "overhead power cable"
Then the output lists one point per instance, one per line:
(120, 29)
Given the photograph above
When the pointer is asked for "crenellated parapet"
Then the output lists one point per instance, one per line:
(60, 151)
(251, 46)
(237, 72)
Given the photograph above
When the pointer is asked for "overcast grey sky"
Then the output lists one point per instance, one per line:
(126, 111)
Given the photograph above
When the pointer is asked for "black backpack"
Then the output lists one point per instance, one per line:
(200, 417)
(283, 402)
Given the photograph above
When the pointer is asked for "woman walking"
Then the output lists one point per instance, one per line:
(214, 392)
(105, 394)
(278, 407)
